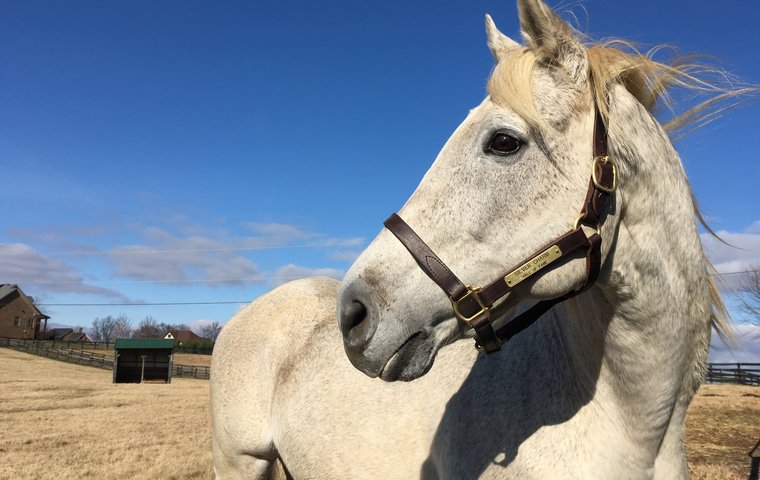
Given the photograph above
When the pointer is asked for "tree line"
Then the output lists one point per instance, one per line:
(108, 329)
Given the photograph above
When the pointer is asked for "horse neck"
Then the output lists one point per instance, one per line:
(658, 278)
(643, 331)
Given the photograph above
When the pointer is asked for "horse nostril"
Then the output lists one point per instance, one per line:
(357, 315)
(352, 316)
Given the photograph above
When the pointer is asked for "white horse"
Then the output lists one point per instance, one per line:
(597, 388)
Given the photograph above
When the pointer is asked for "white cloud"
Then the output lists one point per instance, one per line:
(174, 250)
(746, 350)
(348, 256)
(741, 254)
(59, 238)
(170, 259)
(22, 265)
(278, 230)
(197, 325)
(294, 272)
(754, 228)
(216, 257)
(278, 234)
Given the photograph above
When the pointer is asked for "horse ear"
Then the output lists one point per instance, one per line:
(499, 43)
(552, 39)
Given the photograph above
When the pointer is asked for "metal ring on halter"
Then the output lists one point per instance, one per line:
(596, 179)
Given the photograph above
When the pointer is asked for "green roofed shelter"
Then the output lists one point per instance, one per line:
(142, 359)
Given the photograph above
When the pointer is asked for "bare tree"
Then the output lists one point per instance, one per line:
(108, 329)
(123, 328)
(211, 331)
(171, 327)
(39, 302)
(147, 328)
(102, 328)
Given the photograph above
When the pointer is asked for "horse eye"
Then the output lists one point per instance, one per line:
(503, 143)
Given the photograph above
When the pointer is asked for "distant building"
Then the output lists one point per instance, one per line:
(57, 333)
(182, 336)
(19, 316)
(67, 335)
(79, 336)
(138, 360)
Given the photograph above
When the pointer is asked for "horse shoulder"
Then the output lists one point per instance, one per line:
(252, 355)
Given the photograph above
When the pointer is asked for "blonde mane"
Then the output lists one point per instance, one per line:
(616, 62)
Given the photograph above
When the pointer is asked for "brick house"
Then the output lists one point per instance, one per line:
(19, 317)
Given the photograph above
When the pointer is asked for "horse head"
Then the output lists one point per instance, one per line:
(511, 178)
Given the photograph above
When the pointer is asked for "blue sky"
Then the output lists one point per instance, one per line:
(202, 151)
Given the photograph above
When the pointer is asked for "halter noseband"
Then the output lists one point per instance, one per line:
(474, 306)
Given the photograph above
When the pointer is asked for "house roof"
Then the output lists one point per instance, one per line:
(78, 337)
(58, 333)
(9, 289)
(143, 343)
(67, 334)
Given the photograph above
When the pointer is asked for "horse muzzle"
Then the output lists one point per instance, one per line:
(358, 318)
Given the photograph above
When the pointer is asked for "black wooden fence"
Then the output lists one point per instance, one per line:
(62, 354)
(192, 347)
(56, 351)
(743, 373)
(192, 371)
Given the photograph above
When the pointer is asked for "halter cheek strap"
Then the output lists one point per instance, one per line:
(474, 306)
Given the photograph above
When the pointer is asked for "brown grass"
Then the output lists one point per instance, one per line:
(62, 421)
(722, 426)
(192, 359)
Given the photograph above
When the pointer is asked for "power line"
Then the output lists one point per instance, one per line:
(733, 273)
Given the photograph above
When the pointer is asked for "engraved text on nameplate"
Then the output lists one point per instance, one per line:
(533, 265)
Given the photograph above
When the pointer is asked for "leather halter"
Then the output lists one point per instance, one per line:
(474, 306)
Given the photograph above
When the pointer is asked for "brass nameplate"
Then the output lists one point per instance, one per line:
(533, 265)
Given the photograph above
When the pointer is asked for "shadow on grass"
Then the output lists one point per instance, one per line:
(754, 455)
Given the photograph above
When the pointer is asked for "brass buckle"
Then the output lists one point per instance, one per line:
(595, 179)
(471, 293)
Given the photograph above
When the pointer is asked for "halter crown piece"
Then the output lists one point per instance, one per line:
(474, 306)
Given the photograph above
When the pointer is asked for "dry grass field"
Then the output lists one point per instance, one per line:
(192, 359)
(722, 426)
(62, 421)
